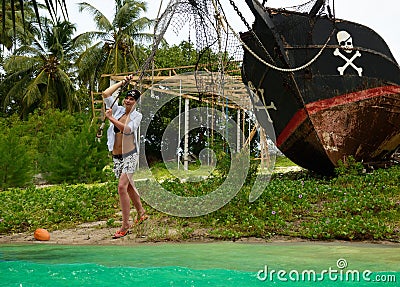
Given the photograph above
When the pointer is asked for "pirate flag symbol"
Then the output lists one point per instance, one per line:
(346, 42)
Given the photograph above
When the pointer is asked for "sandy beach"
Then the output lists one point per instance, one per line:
(97, 233)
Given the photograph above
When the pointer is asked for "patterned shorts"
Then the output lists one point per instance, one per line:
(125, 163)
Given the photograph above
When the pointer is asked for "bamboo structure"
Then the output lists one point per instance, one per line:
(186, 86)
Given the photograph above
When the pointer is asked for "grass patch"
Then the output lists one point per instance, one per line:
(283, 161)
(56, 207)
(302, 204)
(163, 171)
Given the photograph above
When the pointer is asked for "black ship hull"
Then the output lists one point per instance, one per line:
(343, 99)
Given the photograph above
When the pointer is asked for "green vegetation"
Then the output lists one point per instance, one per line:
(56, 207)
(120, 48)
(57, 145)
(282, 161)
(37, 73)
(47, 67)
(164, 171)
(298, 204)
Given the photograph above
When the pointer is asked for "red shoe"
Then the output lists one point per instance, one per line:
(141, 219)
(121, 233)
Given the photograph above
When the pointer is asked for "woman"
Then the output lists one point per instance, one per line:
(122, 142)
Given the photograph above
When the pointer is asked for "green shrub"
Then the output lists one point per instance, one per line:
(16, 161)
(59, 145)
(74, 157)
(17, 154)
(349, 166)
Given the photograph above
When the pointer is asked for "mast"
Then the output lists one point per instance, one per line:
(317, 6)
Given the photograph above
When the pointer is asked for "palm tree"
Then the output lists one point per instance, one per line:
(119, 47)
(18, 5)
(19, 28)
(38, 75)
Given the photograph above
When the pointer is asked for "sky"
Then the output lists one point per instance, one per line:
(381, 16)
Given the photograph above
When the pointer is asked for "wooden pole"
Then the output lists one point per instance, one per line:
(186, 144)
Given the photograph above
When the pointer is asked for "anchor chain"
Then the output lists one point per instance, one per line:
(250, 29)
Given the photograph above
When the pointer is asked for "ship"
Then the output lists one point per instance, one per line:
(329, 87)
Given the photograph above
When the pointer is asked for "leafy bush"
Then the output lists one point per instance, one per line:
(349, 166)
(74, 157)
(59, 145)
(16, 160)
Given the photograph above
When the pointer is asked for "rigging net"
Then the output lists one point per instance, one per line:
(216, 46)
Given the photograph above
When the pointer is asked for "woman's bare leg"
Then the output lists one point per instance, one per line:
(135, 197)
(124, 200)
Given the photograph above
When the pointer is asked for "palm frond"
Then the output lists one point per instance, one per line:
(35, 48)
(32, 92)
(67, 95)
(128, 12)
(102, 23)
(16, 92)
(20, 64)
(14, 6)
(92, 36)
(52, 7)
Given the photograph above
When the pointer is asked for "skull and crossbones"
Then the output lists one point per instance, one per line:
(346, 42)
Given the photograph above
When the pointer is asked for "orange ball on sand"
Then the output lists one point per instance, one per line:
(41, 234)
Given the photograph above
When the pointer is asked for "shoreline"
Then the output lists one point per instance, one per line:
(97, 234)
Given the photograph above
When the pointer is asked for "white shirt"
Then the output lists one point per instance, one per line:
(117, 112)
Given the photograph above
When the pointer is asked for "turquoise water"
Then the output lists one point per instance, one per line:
(207, 264)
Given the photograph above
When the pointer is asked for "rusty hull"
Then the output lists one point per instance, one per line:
(323, 133)
(368, 130)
